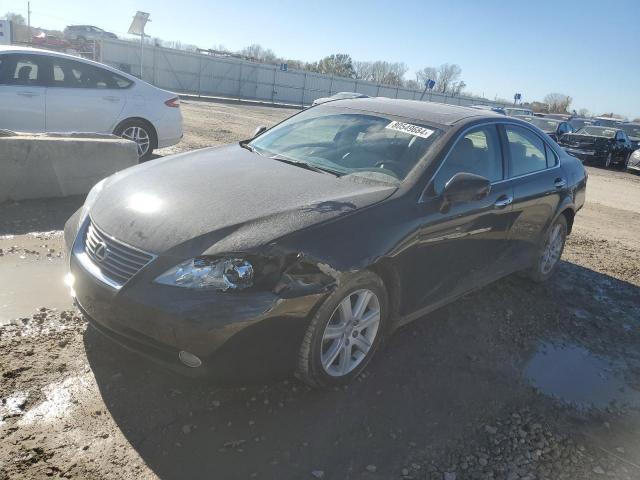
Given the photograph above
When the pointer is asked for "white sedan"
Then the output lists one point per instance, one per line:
(44, 91)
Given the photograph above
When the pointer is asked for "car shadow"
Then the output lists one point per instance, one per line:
(434, 378)
(42, 215)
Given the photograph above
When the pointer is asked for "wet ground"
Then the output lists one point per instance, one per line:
(513, 381)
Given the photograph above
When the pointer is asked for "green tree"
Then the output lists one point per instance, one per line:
(338, 64)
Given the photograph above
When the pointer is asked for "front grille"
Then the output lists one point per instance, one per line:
(116, 261)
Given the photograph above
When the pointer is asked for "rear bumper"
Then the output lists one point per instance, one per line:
(169, 127)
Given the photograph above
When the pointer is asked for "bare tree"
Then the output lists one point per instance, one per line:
(558, 102)
(446, 76)
(389, 73)
(259, 53)
(456, 88)
(15, 18)
(427, 73)
(583, 112)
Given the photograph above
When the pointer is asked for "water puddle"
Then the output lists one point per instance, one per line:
(576, 376)
(32, 277)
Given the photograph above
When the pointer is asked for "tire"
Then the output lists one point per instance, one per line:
(606, 163)
(142, 133)
(315, 366)
(625, 163)
(541, 270)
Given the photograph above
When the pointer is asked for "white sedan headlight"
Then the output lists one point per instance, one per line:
(221, 274)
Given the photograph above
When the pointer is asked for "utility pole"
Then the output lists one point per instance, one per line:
(29, 19)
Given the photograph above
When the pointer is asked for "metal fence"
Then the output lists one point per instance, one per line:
(206, 75)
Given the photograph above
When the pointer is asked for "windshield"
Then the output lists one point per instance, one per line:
(349, 142)
(608, 122)
(631, 130)
(545, 124)
(597, 132)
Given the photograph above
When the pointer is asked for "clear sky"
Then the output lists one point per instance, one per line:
(587, 49)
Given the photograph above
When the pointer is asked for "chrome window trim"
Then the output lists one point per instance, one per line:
(495, 122)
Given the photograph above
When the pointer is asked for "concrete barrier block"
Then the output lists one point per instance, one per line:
(59, 165)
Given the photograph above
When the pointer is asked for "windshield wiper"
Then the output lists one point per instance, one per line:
(305, 165)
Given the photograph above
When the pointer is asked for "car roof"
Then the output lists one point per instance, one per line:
(431, 112)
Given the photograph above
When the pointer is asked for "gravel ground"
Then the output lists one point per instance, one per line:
(516, 381)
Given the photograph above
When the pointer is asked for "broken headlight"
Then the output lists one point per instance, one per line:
(220, 274)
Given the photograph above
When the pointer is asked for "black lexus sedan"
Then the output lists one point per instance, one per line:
(604, 146)
(555, 128)
(304, 247)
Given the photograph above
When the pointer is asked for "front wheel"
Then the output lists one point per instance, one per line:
(141, 133)
(607, 161)
(550, 251)
(345, 332)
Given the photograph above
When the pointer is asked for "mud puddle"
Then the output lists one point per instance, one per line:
(32, 268)
(581, 378)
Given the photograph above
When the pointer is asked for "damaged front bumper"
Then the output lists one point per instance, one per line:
(241, 333)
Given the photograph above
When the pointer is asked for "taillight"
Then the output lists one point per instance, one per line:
(173, 102)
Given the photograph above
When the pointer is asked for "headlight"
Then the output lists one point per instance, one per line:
(90, 200)
(221, 274)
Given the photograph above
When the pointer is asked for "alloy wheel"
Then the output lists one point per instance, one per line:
(553, 249)
(140, 136)
(350, 332)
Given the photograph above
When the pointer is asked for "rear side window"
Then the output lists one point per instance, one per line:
(552, 158)
(478, 152)
(527, 151)
(18, 69)
(72, 74)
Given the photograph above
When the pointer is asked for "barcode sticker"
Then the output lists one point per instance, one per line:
(410, 129)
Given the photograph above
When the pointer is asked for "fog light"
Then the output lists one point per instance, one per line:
(189, 359)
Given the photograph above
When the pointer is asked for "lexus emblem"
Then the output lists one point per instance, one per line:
(101, 251)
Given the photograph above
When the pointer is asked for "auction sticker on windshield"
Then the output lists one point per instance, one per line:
(410, 129)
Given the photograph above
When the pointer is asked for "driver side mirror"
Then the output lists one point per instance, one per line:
(259, 130)
(465, 187)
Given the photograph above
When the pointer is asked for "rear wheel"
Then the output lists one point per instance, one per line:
(550, 251)
(141, 133)
(345, 332)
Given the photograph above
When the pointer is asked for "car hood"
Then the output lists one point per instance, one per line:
(224, 199)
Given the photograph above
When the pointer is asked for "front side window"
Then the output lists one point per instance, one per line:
(26, 70)
(477, 152)
(526, 151)
(349, 142)
(72, 74)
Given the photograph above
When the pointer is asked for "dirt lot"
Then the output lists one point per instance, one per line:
(516, 381)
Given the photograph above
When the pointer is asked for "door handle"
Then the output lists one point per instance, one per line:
(111, 99)
(503, 201)
(27, 94)
(559, 183)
